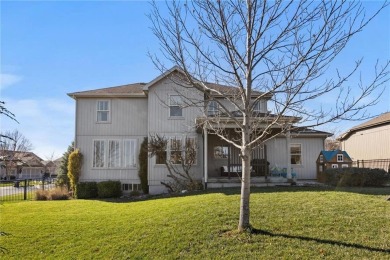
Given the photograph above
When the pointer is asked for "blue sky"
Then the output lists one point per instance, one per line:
(50, 48)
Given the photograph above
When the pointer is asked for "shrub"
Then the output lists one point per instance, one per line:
(109, 189)
(58, 194)
(354, 177)
(41, 195)
(55, 194)
(86, 190)
(74, 168)
(143, 166)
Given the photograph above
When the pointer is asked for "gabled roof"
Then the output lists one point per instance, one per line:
(141, 89)
(383, 119)
(328, 155)
(129, 90)
(28, 158)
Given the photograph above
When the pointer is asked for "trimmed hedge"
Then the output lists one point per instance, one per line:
(86, 190)
(109, 189)
(354, 177)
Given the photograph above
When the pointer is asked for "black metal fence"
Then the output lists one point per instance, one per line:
(23, 189)
(373, 164)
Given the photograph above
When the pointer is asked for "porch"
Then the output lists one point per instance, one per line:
(222, 164)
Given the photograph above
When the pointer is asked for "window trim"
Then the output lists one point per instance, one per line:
(321, 158)
(134, 165)
(341, 156)
(335, 166)
(175, 105)
(257, 106)
(171, 150)
(94, 156)
(221, 158)
(300, 154)
(196, 150)
(108, 111)
(119, 151)
(215, 110)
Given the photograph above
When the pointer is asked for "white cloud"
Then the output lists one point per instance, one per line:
(47, 123)
(7, 80)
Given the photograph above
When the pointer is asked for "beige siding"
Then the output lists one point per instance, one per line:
(88, 173)
(369, 144)
(159, 122)
(128, 117)
(311, 148)
(128, 121)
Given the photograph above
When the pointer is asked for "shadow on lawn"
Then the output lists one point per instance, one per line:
(318, 240)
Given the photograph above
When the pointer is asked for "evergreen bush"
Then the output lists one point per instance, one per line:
(354, 177)
(109, 189)
(86, 190)
(143, 166)
(74, 168)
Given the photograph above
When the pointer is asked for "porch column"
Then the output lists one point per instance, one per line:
(288, 139)
(205, 142)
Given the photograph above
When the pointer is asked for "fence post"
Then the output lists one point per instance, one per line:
(43, 183)
(25, 190)
(358, 163)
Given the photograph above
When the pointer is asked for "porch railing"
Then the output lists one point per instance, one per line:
(259, 163)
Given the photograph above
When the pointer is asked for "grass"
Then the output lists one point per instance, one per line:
(291, 223)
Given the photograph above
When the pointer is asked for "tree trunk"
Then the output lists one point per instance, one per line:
(243, 222)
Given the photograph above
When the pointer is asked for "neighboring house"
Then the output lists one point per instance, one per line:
(333, 160)
(21, 164)
(112, 122)
(370, 140)
(52, 166)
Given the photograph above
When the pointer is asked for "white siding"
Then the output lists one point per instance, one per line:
(128, 117)
(369, 144)
(89, 173)
(128, 121)
(161, 123)
(311, 148)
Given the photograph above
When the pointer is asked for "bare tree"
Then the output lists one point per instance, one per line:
(7, 113)
(278, 51)
(13, 146)
(178, 163)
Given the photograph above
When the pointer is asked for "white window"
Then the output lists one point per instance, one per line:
(344, 166)
(175, 103)
(321, 158)
(129, 153)
(98, 153)
(335, 166)
(175, 150)
(103, 111)
(212, 108)
(257, 106)
(340, 158)
(114, 154)
(321, 168)
(221, 152)
(190, 151)
(296, 154)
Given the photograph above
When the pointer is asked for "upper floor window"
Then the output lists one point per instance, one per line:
(340, 158)
(103, 111)
(212, 108)
(175, 109)
(296, 153)
(321, 158)
(257, 106)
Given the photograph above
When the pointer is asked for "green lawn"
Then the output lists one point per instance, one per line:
(290, 223)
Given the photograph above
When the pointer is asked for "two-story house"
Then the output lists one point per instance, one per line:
(112, 122)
